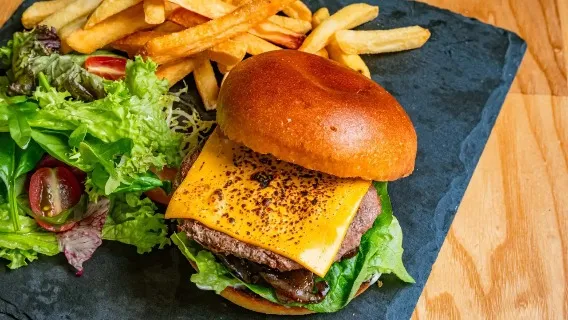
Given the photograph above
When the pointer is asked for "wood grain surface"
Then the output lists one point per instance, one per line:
(506, 255)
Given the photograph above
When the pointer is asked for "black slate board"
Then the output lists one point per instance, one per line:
(453, 89)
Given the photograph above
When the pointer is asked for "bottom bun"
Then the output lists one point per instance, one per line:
(253, 302)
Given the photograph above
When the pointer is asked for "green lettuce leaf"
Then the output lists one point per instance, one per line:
(134, 221)
(212, 275)
(23, 245)
(380, 252)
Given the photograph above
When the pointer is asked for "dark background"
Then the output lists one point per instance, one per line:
(452, 88)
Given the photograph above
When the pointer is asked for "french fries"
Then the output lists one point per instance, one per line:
(154, 11)
(347, 18)
(64, 32)
(293, 24)
(107, 9)
(256, 45)
(38, 11)
(298, 10)
(267, 30)
(177, 70)
(71, 12)
(189, 34)
(381, 41)
(228, 53)
(199, 38)
(352, 61)
(206, 84)
(108, 31)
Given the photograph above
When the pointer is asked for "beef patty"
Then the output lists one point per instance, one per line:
(221, 243)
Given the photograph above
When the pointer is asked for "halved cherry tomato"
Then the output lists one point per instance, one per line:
(111, 68)
(52, 191)
(159, 195)
(50, 162)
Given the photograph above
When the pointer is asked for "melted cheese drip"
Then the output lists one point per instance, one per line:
(298, 213)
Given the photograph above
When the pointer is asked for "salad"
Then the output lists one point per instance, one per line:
(89, 145)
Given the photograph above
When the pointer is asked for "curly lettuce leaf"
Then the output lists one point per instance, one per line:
(134, 221)
(380, 252)
(127, 132)
(18, 258)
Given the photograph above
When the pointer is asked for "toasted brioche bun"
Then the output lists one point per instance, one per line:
(313, 112)
(256, 303)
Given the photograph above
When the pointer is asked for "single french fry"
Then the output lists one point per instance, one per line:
(298, 10)
(256, 45)
(296, 25)
(319, 16)
(322, 53)
(109, 30)
(71, 12)
(66, 31)
(204, 36)
(267, 30)
(206, 84)
(187, 18)
(228, 53)
(347, 18)
(380, 41)
(38, 11)
(279, 35)
(75, 25)
(224, 69)
(133, 43)
(107, 9)
(177, 70)
(168, 27)
(154, 11)
(352, 61)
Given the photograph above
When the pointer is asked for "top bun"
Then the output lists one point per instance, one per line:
(313, 112)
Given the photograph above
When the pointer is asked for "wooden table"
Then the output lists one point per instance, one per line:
(506, 255)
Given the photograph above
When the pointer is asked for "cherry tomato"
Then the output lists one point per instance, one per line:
(110, 68)
(50, 162)
(159, 195)
(52, 191)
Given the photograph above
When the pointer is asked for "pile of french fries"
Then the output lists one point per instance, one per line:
(185, 36)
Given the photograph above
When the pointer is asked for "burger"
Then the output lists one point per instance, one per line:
(284, 209)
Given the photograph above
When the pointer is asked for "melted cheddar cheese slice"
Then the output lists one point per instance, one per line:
(298, 213)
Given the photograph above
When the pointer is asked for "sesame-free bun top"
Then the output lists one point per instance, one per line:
(313, 112)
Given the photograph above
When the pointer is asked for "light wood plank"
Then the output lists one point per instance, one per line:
(505, 255)
(542, 23)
